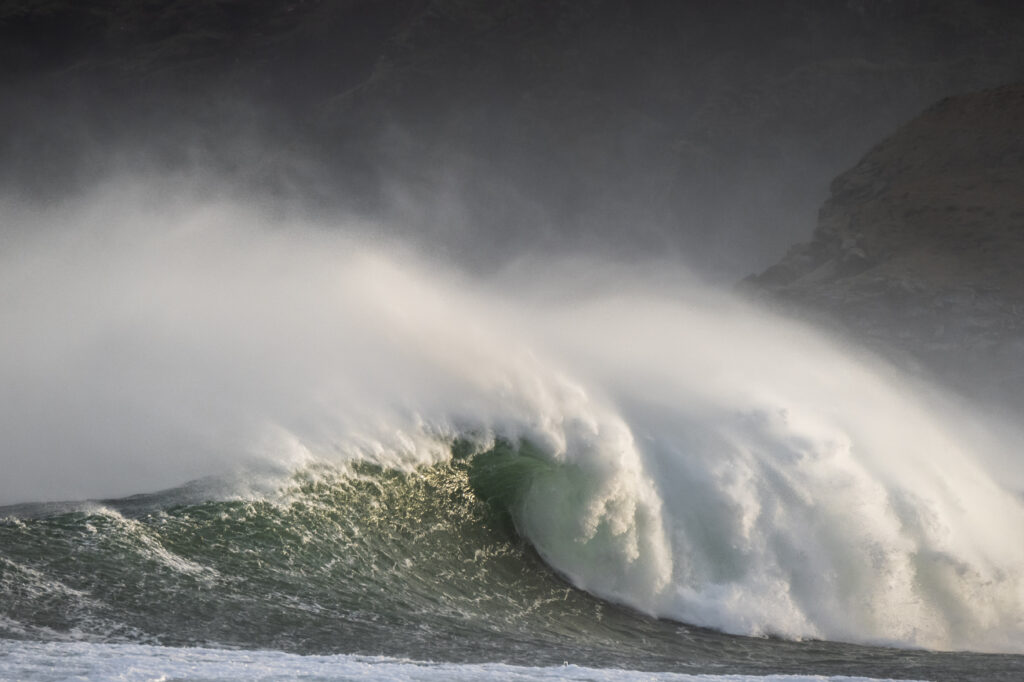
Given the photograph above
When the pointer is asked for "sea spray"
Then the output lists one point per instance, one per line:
(704, 461)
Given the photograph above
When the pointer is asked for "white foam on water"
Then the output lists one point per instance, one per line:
(38, 662)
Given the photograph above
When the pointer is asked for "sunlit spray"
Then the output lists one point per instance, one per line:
(705, 461)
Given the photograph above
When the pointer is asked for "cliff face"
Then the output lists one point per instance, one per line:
(920, 248)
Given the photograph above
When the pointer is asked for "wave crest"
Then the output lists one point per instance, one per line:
(684, 454)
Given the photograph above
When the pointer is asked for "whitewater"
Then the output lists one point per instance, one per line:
(184, 377)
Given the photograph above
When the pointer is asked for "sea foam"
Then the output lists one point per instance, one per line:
(130, 662)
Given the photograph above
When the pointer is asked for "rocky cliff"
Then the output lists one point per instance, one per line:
(920, 248)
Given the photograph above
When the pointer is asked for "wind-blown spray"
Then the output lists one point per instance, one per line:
(685, 454)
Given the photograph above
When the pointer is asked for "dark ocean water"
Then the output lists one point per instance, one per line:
(423, 565)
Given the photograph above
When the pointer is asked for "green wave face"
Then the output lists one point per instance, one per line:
(424, 564)
(363, 560)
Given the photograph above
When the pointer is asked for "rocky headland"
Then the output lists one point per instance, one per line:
(919, 250)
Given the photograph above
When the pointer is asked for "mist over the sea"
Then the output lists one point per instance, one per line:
(676, 337)
(712, 463)
(707, 134)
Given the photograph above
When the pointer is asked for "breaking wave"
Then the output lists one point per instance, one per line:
(388, 438)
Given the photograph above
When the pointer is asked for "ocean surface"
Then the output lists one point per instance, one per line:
(364, 572)
(240, 449)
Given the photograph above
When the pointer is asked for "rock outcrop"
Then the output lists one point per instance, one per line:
(920, 248)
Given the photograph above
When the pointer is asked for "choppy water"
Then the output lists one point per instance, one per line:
(422, 566)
